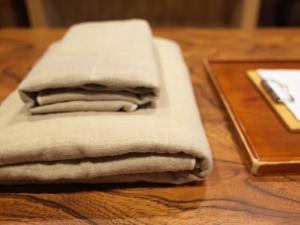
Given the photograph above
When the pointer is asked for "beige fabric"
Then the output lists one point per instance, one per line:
(107, 62)
(162, 144)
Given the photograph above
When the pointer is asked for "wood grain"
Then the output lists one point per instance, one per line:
(271, 148)
(231, 195)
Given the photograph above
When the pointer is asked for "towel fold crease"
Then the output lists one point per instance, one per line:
(82, 67)
(162, 144)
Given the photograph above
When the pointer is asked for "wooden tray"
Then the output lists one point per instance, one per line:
(271, 148)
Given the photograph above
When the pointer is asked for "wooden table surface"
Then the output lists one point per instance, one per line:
(230, 195)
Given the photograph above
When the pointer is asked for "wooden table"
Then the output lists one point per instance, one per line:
(231, 195)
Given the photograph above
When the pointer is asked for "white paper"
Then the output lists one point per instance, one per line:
(286, 84)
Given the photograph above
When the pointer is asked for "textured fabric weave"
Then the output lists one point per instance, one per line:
(162, 144)
(97, 66)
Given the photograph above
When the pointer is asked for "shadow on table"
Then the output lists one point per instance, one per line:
(72, 188)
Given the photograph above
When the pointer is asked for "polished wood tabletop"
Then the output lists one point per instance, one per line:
(230, 195)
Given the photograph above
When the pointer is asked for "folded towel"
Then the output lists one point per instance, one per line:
(108, 66)
(162, 144)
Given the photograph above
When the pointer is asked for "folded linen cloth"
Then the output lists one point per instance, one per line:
(162, 144)
(106, 66)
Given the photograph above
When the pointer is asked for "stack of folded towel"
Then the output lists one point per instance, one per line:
(107, 103)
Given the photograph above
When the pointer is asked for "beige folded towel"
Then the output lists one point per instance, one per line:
(162, 144)
(106, 66)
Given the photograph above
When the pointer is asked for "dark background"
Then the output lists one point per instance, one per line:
(204, 13)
